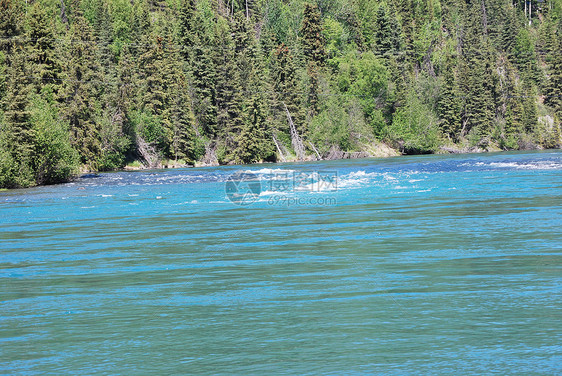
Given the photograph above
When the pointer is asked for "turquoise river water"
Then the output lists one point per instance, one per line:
(438, 265)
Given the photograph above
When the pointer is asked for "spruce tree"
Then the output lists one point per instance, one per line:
(387, 38)
(10, 27)
(82, 78)
(254, 145)
(286, 90)
(313, 42)
(229, 89)
(177, 116)
(477, 76)
(187, 26)
(449, 106)
(17, 133)
(553, 87)
(201, 70)
(44, 61)
(313, 45)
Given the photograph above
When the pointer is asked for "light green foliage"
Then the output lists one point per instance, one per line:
(365, 77)
(341, 125)
(54, 159)
(524, 57)
(414, 129)
(148, 126)
(337, 37)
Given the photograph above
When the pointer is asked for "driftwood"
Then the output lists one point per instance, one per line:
(210, 158)
(283, 159)
(316, 151)
(148, 153)
(296, 141)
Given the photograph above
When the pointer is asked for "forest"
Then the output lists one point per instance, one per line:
(100, 85)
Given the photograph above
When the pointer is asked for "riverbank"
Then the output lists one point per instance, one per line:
(375, 150)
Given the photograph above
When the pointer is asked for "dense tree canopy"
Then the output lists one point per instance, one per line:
(96, 84)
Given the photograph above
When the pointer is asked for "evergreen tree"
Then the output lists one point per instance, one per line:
(42, 53)
(523, 55)
(82, 79)
(286, 90)
(387, 38)
(313, 45)
(202, 72)
(10, 27)
(477, 77)
(553, 90)
(178, 118)
(313, 42)
(509, 32)
(229, 89)
(18, 132)
(253, 143)
(449, 105)
(248, 121)
(187, 31)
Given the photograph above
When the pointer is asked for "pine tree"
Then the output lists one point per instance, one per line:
(553, 89)
(17, 134)
(387, 39)
(313, 42)
(477, 77)
(524, 57)
(151, 64)
(201, 69)
(285, 87)
(313, 45)
(42, 53)
(104, 41)
(178, 119)
(449, 106)
(82, 79)
(230, 92)
(248, 121)
(530, 110)
(253, 143)
(509, 31)
(10, 27)
(187, 26)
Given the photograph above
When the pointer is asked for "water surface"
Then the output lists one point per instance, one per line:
(410, 265)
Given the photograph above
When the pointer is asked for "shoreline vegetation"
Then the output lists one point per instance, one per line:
(382, 151)
(106, 85)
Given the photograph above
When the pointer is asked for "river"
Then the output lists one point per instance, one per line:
(410, 265)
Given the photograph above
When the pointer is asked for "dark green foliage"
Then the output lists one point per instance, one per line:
(254, 145)
(10, 26)
(82, 80)
(553, 90)
(449, 106)
(286, 89)
(45, 67)
(313, 43)
(387, 38)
